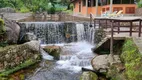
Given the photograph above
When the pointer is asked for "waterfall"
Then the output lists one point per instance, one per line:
(75, 40)
(58, 32)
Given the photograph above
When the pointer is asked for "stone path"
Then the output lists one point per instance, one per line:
(138, 42)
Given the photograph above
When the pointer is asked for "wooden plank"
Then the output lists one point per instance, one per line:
(118, 27)
(125, 31)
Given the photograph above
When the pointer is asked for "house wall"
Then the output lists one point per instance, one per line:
(127, 8)
(138, 12)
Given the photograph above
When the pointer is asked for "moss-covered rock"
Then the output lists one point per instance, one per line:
(15, 57)
(88, 76)
(53, 50)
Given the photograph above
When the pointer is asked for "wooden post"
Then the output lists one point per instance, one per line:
(111, 40)
(99, 23)
(118, 27)
(140, 25)
(106, 23)
(131, 25)
(94, 23)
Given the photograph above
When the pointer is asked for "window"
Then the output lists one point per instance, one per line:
(130, 10)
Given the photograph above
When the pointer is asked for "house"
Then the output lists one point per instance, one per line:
(85, 7)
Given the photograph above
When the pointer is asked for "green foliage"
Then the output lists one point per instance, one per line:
(132, 59)
(140, 4)
(35, 5)
(24, 10)
(52, 10)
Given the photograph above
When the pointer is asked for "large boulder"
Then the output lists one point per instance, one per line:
(54, 51)
(15, 55)
(102, 62)
(12, 31)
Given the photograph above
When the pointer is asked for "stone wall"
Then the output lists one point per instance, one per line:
(67, 17)
(138, 12)
(55, 17)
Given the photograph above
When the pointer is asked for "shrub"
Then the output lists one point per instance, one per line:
(52, 10)
(24, 10)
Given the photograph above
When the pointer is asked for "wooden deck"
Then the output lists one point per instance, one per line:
(117, 25)
(133, 24)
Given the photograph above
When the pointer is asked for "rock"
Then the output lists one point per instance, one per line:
(12, 31)
(14, 55)
(33, 45)
(89, 76)
(102, 62)
(28, 37)
(7, 10)
(53, 50)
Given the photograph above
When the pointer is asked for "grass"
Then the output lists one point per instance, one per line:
(132, 59)
(21, 66)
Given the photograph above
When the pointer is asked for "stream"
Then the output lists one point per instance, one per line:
(75, 41)
(73, 57)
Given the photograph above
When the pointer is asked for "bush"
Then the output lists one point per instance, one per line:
(52, 10)
(24, 10)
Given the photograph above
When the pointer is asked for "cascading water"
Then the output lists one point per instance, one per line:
(58, 32)
(75, 40)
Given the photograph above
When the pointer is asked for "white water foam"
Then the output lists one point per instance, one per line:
(80, 58)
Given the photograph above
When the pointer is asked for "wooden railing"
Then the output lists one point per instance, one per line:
(134, 25)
